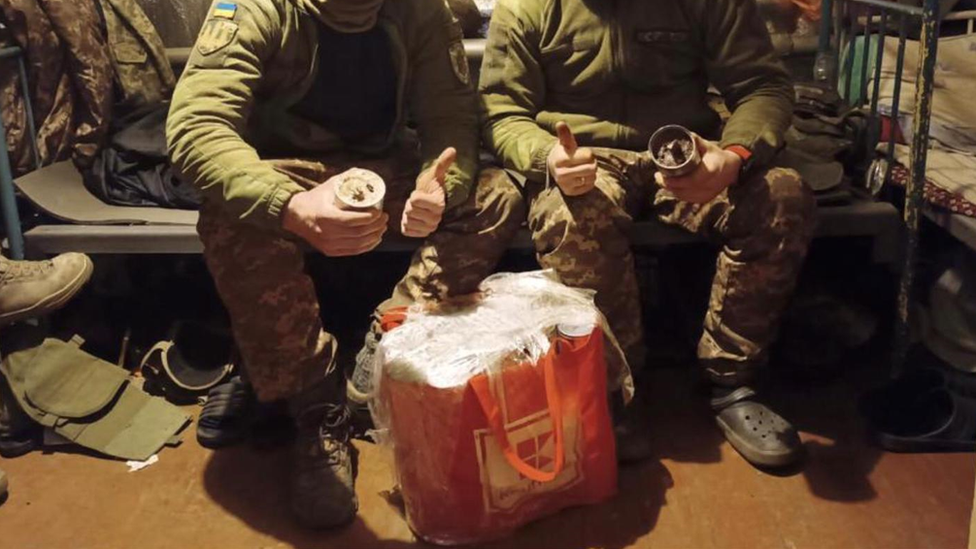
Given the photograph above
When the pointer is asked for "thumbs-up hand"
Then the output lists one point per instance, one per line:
(573, 168)
(425, 207)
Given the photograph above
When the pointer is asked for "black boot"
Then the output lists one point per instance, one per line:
(760, 435)
(630, 430)
(227, 415)
(323, 493)
(19, 434)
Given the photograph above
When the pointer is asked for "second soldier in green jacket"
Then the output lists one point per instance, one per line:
(614, 71)
(332, 83)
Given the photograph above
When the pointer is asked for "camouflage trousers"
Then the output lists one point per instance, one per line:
(261, 278)
(763, 224)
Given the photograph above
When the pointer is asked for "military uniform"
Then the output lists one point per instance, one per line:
(252, 66)
(142, 71)
(615, 72)
(272, 302)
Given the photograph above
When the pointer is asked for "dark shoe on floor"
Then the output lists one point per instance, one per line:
(226, 416)
(760, 435)
(19, 434)
(18, 444)
(924, 410)
(630, 432)
(35, 288)
(323, 493)
(936, 421)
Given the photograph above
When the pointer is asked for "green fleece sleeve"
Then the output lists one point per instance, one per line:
(441, 98)
(209, 114)
(743, 65)
(513, 90)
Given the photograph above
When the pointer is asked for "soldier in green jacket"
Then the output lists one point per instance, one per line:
(614, 72)
(280, 95)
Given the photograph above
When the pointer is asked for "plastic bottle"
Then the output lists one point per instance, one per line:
(825, 67)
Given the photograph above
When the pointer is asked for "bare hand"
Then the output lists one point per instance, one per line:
(719, 170)
(573, 168)
(314, 216)
(425, 207)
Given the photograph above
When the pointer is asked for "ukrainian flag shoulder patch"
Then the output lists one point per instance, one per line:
(225, 10)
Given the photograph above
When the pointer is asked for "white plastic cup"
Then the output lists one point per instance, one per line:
(358, 189)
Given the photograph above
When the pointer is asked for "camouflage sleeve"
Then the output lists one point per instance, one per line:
(745, 68)
(442, 100)
(512, 92)
(210, 109)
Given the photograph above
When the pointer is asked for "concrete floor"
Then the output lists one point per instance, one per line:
(698, 493)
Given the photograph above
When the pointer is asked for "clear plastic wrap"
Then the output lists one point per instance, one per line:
(496, 407)
(512, 318)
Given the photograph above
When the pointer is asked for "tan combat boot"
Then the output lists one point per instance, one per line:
(35, 288)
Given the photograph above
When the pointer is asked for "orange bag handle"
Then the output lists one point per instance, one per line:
(393, 318)
(493, 413)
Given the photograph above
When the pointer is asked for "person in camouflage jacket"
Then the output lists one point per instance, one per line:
(572, 90)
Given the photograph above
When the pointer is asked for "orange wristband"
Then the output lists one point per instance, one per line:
(742, 152)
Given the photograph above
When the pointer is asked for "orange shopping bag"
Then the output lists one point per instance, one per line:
(512, 445)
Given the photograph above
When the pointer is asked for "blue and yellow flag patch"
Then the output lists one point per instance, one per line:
(225, 10)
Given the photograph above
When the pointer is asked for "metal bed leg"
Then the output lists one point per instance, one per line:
(8, 199)
(928, 49)
(8, 202)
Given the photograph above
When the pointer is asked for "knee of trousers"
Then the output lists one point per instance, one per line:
(499, 203)
(225, 236)
(794, 200)
(787, 204)
(583, 230)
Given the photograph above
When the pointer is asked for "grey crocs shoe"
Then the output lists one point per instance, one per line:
(760, 435)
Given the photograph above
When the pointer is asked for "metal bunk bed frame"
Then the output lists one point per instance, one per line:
(8, 202)
(841, 23)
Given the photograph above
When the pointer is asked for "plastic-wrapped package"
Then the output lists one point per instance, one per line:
(496, 407)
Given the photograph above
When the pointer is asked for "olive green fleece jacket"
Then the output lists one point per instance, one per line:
(255, 61)
(616, 70)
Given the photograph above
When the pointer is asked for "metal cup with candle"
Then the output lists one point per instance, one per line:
(674, 151)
